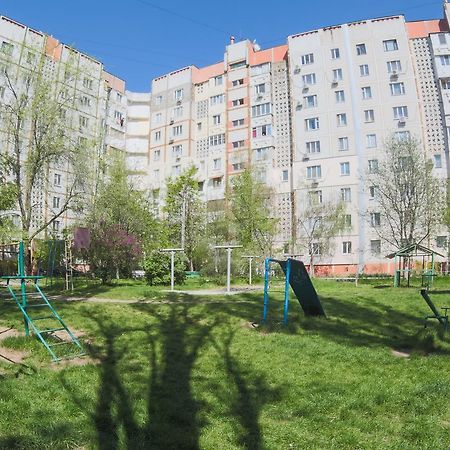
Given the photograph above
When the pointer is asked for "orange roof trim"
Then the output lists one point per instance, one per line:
(423, 28)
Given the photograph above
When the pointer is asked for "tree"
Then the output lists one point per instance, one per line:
(251, 209)
(319, 222)
(7, 202)
(410, 199)
(36, 137)
(185, 212)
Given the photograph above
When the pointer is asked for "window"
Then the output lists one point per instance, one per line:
(315, 197)
(390, 45)
(348, 221)
(402, 135)
(375, 219)
(341, 119)
(238, 122)
(373, 165)
(156, 174)
(366, 92)
(157, 135)
(118, 115)
(309, 79)
(216, 119)
(158, 99)
(217, 164)
(82, 141)
(371, 140)
(178, 94)
(260, 69)
(437, 161)
(7, 48)
(178, 111)
(397, 88)
(394, 67)
(375, 247)
(372, 192)
(364, 70)
(400, 112)
(260, 88)
(238, 82)
(263, 130)
(218, 81)
(238, 102)
(86, 101)
(261, 153)
(445, 83)
(84, 121)
(217, 99)
(337, 75)
(310, 101)
(177, 151)
(345, 168)
(118, 97)
(442, 38)
(340, 96)
(156, 155)
(2, 91)
(307, 59)
(238, 144)
(217, 183)
(177, 130)
(316, 248)
(217, 139)
(87, 83)
(238, 166)
(56, 202)
(346, 247)
(56, 225)
(238, 65)
(369, 115)
(346, 195)
(199, 126)
(441, 241)
(158, 118)
(313, 172)
(361, 49)
(313, 147)
(57, 179)
(343, 143)
(335, 54)
(176, 170)
(261, 110)
(312, 124)
(285, 175)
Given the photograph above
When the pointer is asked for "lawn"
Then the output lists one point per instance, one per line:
(183, 372)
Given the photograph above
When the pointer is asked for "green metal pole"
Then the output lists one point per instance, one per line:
(23, 284)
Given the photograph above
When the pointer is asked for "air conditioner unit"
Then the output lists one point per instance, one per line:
(299, 105)
(297, 69)
(171, 141)
(305, 88)
(259, 97)
(305, 158)
(171, 121)
(314, 183)
(178, 102)
(401, 121)
(334, 83)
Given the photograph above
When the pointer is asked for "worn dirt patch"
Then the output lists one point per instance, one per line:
(80, 361)
(7, 354)
(9, 332)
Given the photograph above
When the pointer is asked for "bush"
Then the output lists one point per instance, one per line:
(157, 268)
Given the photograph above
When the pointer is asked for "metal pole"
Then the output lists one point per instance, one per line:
(23, 284)
(172, 269)
(229, 249)
(250, 270)
(266, 288)
(286, 292)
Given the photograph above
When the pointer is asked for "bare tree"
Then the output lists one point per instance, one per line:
(410, 199)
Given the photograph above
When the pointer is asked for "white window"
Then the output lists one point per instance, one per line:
(260, 69)
(390, 45)
(316, 248)
(216, 119)
(341, 119)
(337, 75)
(238, 144)
(178, 111)
(238, 102)
(348, 221)
(375, 247)
(56, 202)
(364, 70)
(217, 139)
(441, 241)
(313, 172)
(217, 164)
(394, 67)
(312, 124)
(118, 97)
(261, 110)
(375, 219)
(445, 83)
(87, 83)
(366, 92)
(177, 151)
(86, 101)
(238, 166)
(261, 153)
(238, 122)
(263, 130)
(309, 79)
(346, 247)
(56, 225)
(176, 170)
(372, 192)
(158, 99)
(346, 194)
(437, 161)
(217, 99)
(373, 165)
(57, 179)
(371, 140)
(178, 94)
(369, 115)
(285, 175)
(156, 175)
(156, 155)
(335, 54)
(313, 147)
(310, 101)
(307, 59)
(218, 81)
(157, 135)
(400, 112)
(158, 118)
(260, 88)
(343, 143)
(84, 121)
(442, 38)
(217, 183)
(2, 91)
(315, 197)
(177, 130)
(7, 48)
(345, 168)
(402, 135)
(238, 82)
(340, 96)
(397, 88)
(361, 49)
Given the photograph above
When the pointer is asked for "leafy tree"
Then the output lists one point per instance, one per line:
(157, 268)
(409, 197)
(7, 203)
(185, 212)
(251, 211)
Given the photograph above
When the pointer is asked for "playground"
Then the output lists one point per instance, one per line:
(172, 370)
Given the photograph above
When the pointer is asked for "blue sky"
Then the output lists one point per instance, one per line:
(138, 40)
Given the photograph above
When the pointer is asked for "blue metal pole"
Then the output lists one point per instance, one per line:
(286, 291)
(266, 288)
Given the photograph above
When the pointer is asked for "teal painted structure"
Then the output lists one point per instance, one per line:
(441, 318)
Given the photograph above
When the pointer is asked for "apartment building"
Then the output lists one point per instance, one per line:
(94, 110)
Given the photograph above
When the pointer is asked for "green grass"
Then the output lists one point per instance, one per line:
(189, 372)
